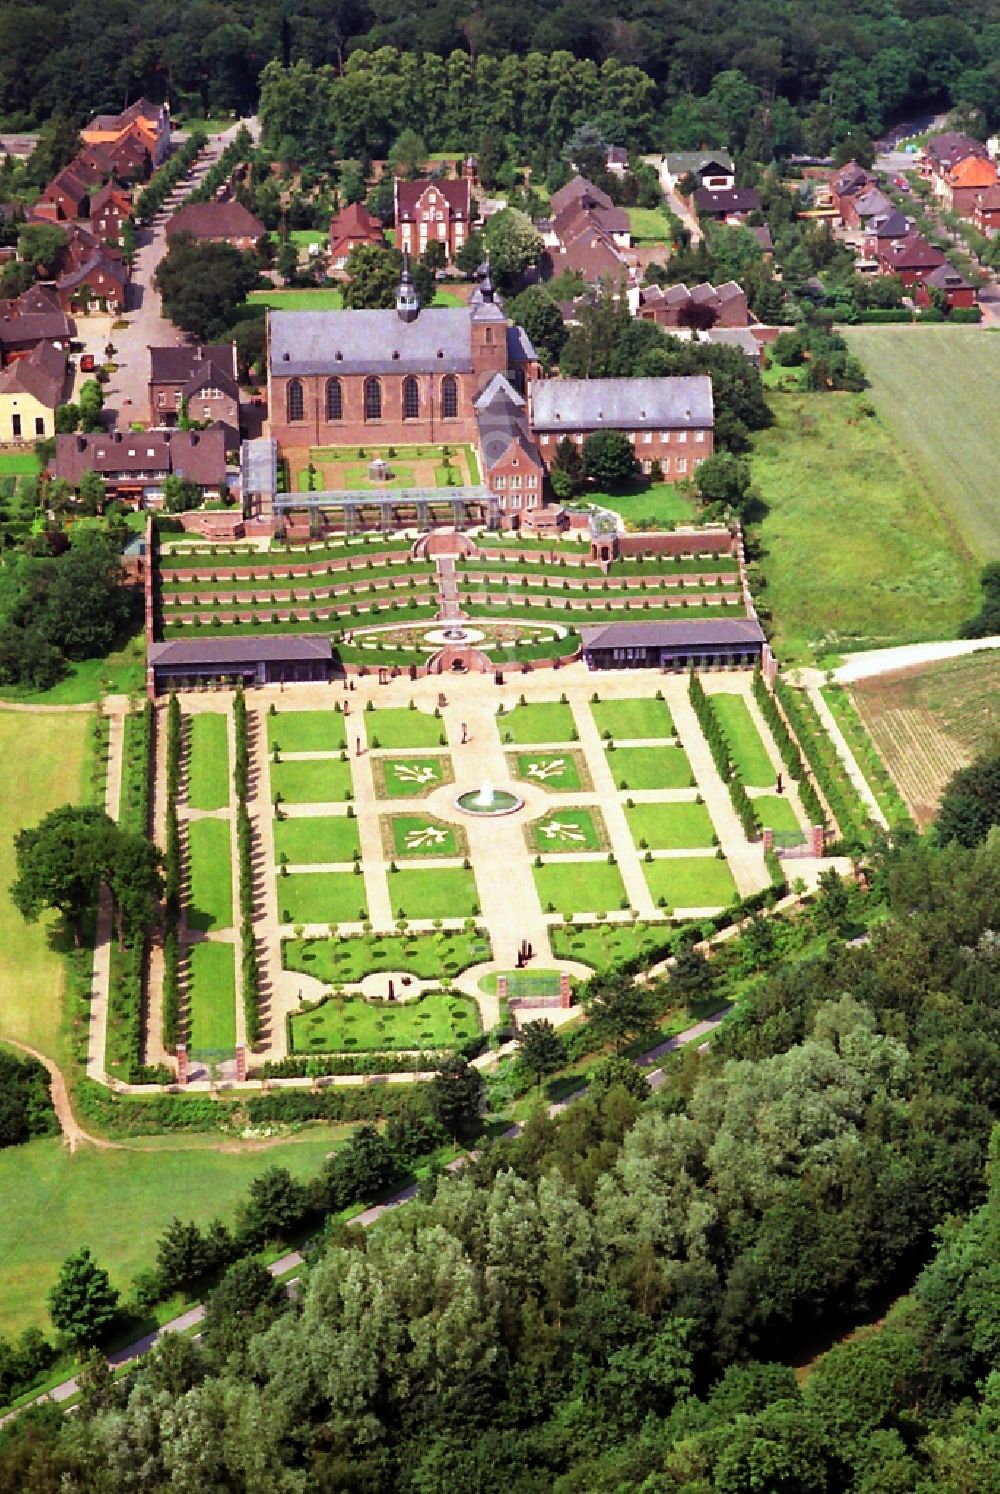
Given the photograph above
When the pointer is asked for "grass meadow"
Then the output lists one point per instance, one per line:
(857, 547)
(937, 389)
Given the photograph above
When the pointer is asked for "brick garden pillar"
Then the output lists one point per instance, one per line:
(818, 840)
(565, 996)
(241, 1063)
(501, 988)
(768, 838)
(182, 1063)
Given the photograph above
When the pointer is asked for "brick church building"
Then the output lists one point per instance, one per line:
(396, 377)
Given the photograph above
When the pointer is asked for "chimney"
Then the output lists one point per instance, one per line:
(199, 353)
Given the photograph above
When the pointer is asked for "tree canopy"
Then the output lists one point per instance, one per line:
(202, 284)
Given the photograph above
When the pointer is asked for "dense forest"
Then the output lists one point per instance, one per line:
(798, 73)
(614, 1300)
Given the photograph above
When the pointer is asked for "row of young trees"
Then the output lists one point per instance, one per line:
(718, 745)
(244, 840)
(173, 868)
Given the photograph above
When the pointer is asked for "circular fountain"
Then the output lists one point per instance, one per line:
(488, 801)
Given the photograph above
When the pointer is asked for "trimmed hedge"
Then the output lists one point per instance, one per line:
(719, 748)
(244, 841)
(789, 750)
(826, 765)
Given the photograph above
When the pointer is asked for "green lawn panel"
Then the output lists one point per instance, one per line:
(210, 878)
(212, 998)
(350, 1025)
(633, 720)
(322, 897)
(579, 886)
(415, 835)
(316, 839)
(650, 767)
(556, 771)
(776, 813)
(433, 893)
(568, 830)
(547, 721)
(306, 731)
(412, 777)
(346, 961)
(320, 781)
(671, 827)
(748, 752)
(403, 729)
(208, 766)
(691, 881)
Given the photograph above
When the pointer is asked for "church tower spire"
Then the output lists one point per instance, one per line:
(407, 300)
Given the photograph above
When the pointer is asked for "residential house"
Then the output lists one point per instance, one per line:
(846, 184)
(582, 214)
(133, 464)
(882, 229)
(66, 197)
(617, 160)
(730, 205)
(512, 467)
(703, 306)
(30, 389)
(957, 291)
(110, 210)
(352, 226)
(942, 154)
(912, 259)
(429, 211)
(587, 234)
(201, 381)
(712, 169)
(762, 234)
(965, 182)
(857, 211)
(34, 317)
(130, 160)
(669, 420)
(986, 212)
(217, 223)
(101, 283)
(146, 123)
(578, 192)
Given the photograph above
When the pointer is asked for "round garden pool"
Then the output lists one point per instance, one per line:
(487, 801)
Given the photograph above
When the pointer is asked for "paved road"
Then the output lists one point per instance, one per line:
(126, 395)
(294, 1259)
(887, 660)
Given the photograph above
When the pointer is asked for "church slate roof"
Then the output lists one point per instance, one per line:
(369, 342)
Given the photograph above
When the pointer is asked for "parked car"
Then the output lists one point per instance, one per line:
(87, 363)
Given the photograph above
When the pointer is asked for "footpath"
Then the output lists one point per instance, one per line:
(294, 1259)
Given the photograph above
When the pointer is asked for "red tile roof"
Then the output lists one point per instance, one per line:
(215, 220)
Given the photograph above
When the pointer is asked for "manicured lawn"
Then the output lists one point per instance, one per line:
(579, 886)
(208, 766)
(745, 746)
(403, 729)
(691, 882)
(411, 777)
(417, 835)
(776, 813)
(648, 505)
(671, 827)
(938, 392)
(433, 893)
(118, 1203)
(315, 839)
(45, 757)
(633, 720)
(212, 998)
(569, 830)
(650, 767)
(608, 943)
(649, 225)
(369, 1026)
(355, 475)
(859, 549)
(18, 463)
(297, 300)
(317, 781)
(346, 961)
(547, 721)
(559, 772)
(321, 897)
(306, 731)
(210, 894)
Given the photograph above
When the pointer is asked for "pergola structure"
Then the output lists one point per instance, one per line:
(464, 505)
